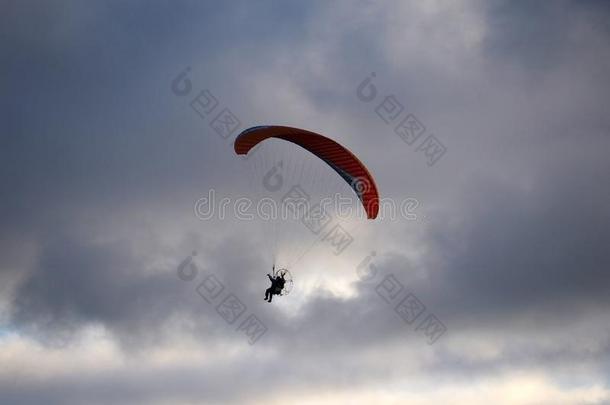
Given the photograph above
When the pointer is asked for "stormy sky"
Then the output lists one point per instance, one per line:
(116, 287)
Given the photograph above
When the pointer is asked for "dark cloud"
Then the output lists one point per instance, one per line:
(101, 163)
(522, 248)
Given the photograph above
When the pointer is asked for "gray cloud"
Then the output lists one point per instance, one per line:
(100, 166)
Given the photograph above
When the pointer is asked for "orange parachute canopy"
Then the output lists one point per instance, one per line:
(345, 163)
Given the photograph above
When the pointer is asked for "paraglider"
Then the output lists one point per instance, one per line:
(338, 158)
(278, 282)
